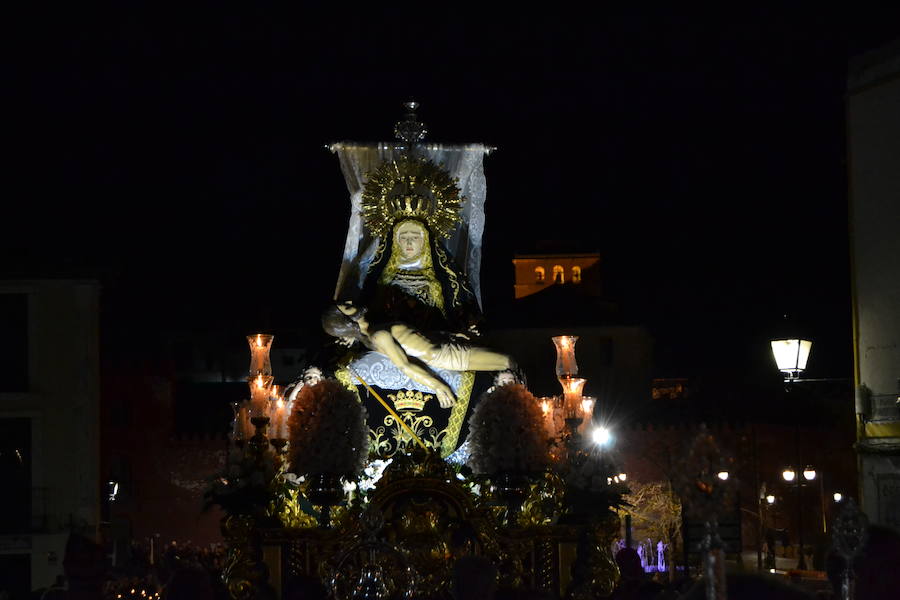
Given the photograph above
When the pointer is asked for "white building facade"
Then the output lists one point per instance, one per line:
(49, 414)
(873, 141)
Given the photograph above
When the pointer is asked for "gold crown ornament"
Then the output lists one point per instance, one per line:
(411, 188)
(409, 400)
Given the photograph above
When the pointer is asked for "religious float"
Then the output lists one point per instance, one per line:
(415, 460)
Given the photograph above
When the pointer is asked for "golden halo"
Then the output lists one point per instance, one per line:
(411, 188)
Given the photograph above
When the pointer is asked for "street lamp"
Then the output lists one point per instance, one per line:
(601, 436)
(838, 496)
(790, 477)
(791, 356)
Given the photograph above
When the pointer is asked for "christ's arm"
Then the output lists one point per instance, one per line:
(385, 343)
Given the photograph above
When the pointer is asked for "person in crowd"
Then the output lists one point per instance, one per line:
(473, 578)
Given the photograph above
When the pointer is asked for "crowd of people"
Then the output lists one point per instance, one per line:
(175, 571)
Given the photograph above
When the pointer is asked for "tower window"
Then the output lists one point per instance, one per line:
(559, 274)
(576, 274)
(539, 274)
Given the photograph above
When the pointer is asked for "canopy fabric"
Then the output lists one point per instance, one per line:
(464, 163)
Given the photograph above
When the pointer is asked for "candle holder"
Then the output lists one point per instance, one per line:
(280, 445)
(566, 366)
(259, 443)
(325, 490)
(260, 346)
(572, 398)
(260, 387)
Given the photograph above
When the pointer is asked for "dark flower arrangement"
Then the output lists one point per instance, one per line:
(506, 433)
(328, 432)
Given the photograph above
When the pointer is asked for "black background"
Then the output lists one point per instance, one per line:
(178, 155)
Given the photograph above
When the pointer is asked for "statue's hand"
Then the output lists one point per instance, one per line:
(445, 398)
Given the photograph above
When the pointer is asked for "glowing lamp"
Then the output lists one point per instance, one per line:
(622, 476)
(788, 474)
(260, 388)
(838, 496)
(809, 473)
(723, 475)
(260, 346)
(587, 406)
(565, 356)
(601, 436)
(770, 499)
(791, 356)
(546, 407)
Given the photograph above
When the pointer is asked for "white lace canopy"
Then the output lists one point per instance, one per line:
(464, 163)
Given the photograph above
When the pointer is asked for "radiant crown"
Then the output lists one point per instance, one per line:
(411, 188)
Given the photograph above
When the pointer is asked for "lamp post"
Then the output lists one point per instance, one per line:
(791, 356)
(792, 478)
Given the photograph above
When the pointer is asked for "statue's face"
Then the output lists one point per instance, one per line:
(312, 376)
(410, 239)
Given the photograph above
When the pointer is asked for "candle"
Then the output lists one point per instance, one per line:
(587, 406)
(572, 395)
(547, 410)
(260, 346)
(236, 431)
(260, 387)
(565, 356)
(246, 426)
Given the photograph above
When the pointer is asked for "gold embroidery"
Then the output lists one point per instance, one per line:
(458, 413)
(389, 437)
(409, 400)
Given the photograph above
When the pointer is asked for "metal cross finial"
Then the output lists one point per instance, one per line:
(410, 130)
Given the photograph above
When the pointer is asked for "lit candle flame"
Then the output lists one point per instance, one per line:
(259, 381)
(545, 407)
(259, 340)
(280, 403)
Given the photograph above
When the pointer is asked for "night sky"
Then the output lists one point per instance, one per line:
(178, 156)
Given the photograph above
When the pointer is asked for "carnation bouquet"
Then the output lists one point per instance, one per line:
(506, 433)
(328, 432)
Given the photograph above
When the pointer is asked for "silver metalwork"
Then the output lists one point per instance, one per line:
(410, 130)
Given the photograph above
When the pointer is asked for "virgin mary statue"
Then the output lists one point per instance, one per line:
(412, 257)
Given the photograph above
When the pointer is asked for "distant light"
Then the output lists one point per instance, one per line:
(838, 496)
(601, 436)
(809, 473)
(616, 478)
(622, 477)
(770, 499)
(771, 570)
(788, 474)
(723, 475)
(112, 489)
